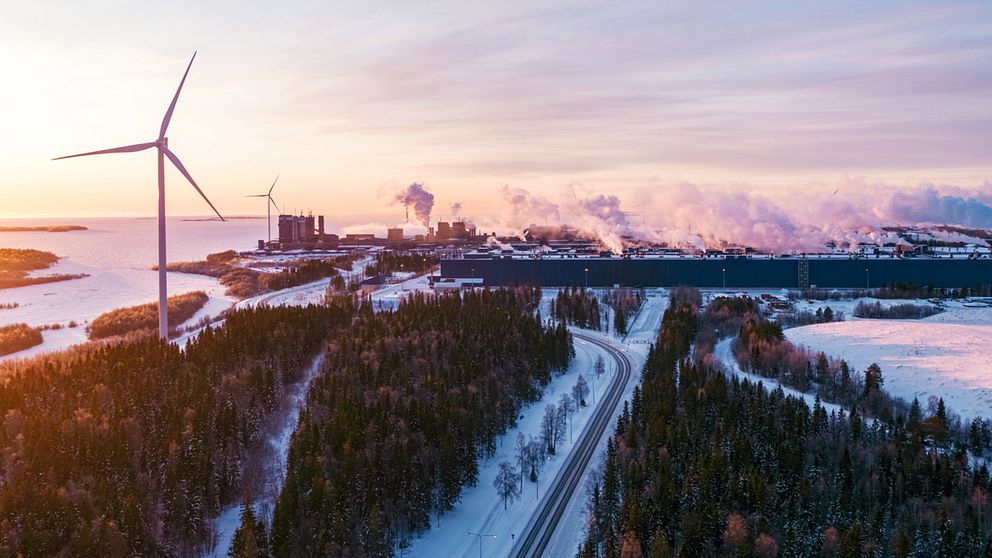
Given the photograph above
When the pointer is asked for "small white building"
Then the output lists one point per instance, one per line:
(454, 283)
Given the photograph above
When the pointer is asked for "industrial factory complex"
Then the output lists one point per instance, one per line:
(307, 232)
(541, 257)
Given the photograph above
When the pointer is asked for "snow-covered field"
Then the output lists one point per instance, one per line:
(946, 355)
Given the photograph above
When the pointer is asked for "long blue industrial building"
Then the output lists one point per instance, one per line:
(745, 272)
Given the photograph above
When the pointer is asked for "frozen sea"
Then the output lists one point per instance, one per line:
(118, 254)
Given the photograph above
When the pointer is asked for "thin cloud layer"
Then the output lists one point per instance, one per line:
(346, 96)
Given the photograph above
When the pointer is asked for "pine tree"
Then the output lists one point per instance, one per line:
(822, 368)
(846, 384)
(620, 321)
(873, 380)
(250, 540)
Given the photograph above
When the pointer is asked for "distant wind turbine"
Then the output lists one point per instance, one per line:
(268, 207)
(162, 144)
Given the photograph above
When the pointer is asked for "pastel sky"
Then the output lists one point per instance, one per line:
(348, 101)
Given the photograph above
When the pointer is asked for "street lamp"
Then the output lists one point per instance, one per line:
(724, 270)
(867, 279)
(481, 536)
(587, 278)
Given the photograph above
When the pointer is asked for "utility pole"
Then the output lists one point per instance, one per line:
(481, 536)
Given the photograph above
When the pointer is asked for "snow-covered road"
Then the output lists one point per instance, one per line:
(642, 334)
(538, 537)
(480, 510)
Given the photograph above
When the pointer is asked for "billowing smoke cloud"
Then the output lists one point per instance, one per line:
(599, 216)
(690, 215)
(415, 196)
(852, 213)
(456, 209)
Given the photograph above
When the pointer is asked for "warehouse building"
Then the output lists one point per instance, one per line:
(743, 272)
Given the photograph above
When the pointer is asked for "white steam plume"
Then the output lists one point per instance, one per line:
(417, 197)
(687, 214)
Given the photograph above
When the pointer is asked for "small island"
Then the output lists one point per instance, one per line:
(17, 337)
(42, 228)
(16, 264)
(143, 318)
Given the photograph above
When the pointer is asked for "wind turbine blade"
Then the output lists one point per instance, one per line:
(273, 202)
(258, 196)
(172, 106)
(175, 161)
(125, 149)
(273, 184)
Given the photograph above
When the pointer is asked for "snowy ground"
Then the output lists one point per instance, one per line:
(946, 355)
(92, 296)
(844, 305)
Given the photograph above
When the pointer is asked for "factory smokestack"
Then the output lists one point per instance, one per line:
(417, 197)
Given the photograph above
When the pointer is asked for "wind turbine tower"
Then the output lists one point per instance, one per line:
(162, 145)
(268, 207)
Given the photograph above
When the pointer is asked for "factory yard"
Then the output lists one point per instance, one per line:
(946, 355)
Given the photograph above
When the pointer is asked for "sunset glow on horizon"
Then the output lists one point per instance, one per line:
(349, 103)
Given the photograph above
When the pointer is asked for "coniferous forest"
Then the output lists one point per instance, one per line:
(407, 403)
(706, 465)
(133, 447)
(130, 449)
(578, 307)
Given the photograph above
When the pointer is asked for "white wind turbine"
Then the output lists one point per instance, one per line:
(162, 144)
(268, 207)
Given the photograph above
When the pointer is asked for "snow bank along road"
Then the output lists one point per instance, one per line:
(537, 536)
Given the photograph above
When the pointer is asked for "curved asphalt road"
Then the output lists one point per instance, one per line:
(534, 541)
